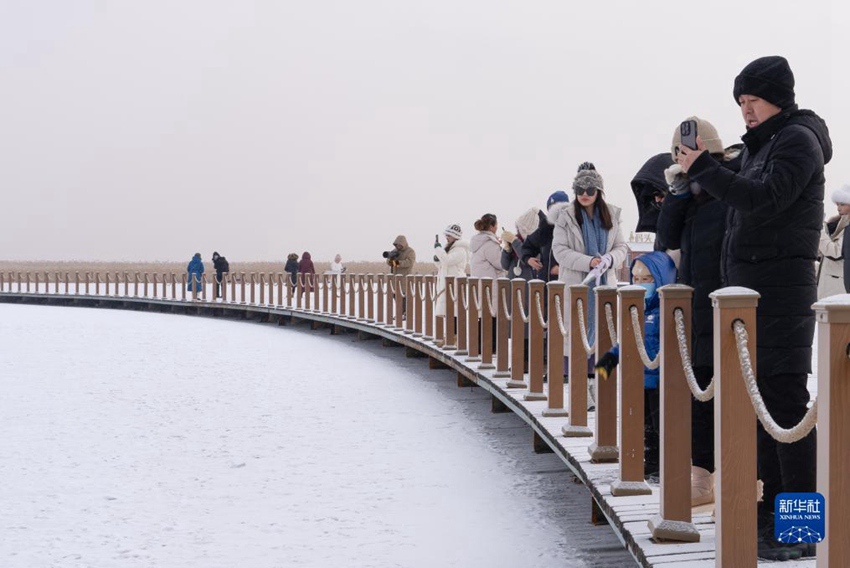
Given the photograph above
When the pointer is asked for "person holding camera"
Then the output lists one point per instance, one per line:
(771, 245)
(694, 223)
(450, 261)
(402, 258)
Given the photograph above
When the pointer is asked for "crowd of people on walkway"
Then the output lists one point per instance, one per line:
(749, 214)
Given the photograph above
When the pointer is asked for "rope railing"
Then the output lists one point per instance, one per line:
(452, 293)
(476, 299)
(490, 306)
(559, 310)
(638, 329)
(523, 316)
(540, 317)
(582, 327)
(609, 317)
(687, 365)
(508, 315)
(780, 434)
(464, 298)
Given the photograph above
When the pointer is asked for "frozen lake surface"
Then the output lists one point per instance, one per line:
(150, 440)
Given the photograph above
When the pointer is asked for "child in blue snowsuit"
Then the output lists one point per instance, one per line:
(650, 271)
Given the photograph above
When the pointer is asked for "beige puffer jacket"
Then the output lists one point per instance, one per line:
(831, 271)
(406, 256)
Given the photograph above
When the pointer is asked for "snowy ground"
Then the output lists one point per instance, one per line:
(150, 440)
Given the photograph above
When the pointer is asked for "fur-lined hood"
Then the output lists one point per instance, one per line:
(556, 211)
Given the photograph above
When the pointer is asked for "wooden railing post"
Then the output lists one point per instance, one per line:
(631, 480)
(174, 286)
(555, 351)
(299, 289)
(400, 302)
(381, 299)
(370, 298)
(518, 301)
(224, 278)
(674, 519)
(194, 278)
(327, 281)
(428, 331)
(487, 303)
(449, 334)
(833, 463)
(308, 292)
(535, 341)
(37, 283)
(87, 278)
(577, 372)
(314, 278)
(262, 288)
(462, 305)
(67, 283)
(352, 298)
(503, 290)
(419, 305)
(344, 281)
(29, 278)
(734, 432)
(361, 297)
(604, 447)
(184, 285)
(253, 284)
(145, 288)
(136, 282)
(473, 319)
(76, 283)
(412, 297)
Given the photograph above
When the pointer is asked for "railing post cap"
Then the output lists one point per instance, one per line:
(734, 297)
(503, 279)
(536, 280)
(631, 291)
(675, 291)
(833, 309)
(605, 288)
(578, 287)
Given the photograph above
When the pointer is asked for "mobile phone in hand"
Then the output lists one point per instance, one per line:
(688, 133)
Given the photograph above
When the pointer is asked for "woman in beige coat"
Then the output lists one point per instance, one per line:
(588, 236)
(831, 271)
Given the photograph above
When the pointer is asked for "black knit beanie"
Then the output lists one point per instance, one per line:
(769, 78)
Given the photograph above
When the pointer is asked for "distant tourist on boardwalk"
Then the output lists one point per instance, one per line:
(588, 236)
(486, 260)
(307, 271)
(336, 266)
(451, 260)
(694, 222)
(776, 204)
(195, 271)
(222, 267)
(512, 243)
(537, 247)
(831, 270)
(291, 268)
(402, 258)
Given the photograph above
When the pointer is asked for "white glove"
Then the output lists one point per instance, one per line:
(605, 263)
(594, 274)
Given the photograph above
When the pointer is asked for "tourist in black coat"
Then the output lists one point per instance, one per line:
(222, 267)
(650, 188)
(774, 224)
(537, 247)
(694, 222)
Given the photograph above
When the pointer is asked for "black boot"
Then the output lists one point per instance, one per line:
(768, 547)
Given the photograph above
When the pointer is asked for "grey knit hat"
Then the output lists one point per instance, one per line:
(588, 177)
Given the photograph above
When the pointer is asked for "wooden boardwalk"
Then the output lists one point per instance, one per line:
(627, 516)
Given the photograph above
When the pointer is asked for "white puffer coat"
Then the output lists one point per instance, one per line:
(452, 263)
(486, 261)
(568, 250)
(831, 272)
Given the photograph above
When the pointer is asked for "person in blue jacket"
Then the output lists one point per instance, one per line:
(650, 271)
(195, 270)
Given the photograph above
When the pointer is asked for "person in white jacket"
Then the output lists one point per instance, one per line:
(831, 271)
(486, 249)
(451, 261)
(588, 237)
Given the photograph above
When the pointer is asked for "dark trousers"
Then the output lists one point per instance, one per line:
(702, 424)
(651, 429)
(785, 467)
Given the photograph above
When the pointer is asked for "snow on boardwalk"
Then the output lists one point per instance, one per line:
(149, 440)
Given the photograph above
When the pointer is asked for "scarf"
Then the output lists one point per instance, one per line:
(595, 238)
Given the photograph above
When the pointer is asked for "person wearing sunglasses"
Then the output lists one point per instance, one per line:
(588, 236)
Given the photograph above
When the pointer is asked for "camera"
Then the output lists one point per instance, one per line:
(391, 254)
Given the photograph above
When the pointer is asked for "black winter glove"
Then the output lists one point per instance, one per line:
(606, 365)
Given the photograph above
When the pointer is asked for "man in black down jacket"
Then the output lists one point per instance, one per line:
(771, 245)
(221, 268)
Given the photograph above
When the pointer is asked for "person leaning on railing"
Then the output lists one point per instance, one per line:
(776, 204)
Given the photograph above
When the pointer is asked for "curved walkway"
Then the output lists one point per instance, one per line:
(627, 515)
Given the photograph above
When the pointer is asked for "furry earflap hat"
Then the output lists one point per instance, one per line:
(454, 231)
(841, 196)
(588, 177)
(706, 132)
(769, 78)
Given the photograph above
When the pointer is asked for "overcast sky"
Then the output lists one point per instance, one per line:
(152, 130)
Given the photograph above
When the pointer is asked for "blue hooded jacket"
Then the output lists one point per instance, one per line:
(663, 272)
